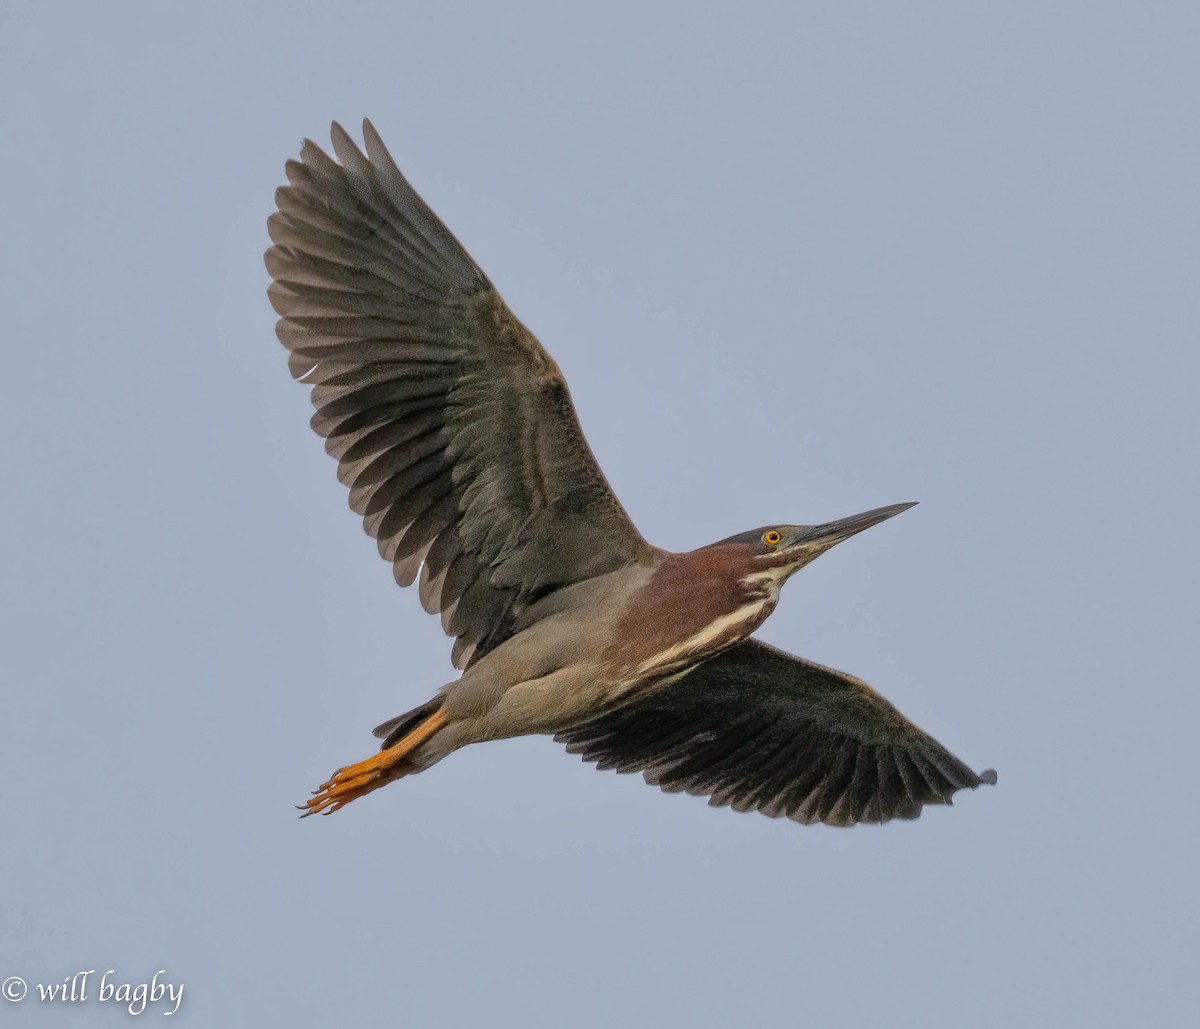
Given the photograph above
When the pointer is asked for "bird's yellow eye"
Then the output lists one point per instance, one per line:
(771, 537)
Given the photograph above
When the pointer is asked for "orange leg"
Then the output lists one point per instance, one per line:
(354, 781)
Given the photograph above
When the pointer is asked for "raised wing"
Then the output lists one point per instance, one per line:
(451, 425)
(761, 730)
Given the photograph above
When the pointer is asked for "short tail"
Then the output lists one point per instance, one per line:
(395, 729)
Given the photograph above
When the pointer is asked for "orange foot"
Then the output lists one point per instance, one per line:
(354, 781)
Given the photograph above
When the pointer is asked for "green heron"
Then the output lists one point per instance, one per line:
(455, 433)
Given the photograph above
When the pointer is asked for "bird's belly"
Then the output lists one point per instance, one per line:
(566, 670)
(548, 703)
(585, 689)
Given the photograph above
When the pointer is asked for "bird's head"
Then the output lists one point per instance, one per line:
(775, 552)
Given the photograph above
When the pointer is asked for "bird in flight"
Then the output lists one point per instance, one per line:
(455, 433)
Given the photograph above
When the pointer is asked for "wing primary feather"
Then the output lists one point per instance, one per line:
(757, 729)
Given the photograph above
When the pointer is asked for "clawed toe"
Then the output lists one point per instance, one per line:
(354, 781)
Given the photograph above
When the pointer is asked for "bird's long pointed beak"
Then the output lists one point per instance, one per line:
(832, 533)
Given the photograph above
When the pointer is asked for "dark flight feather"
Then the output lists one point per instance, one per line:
(760, 730)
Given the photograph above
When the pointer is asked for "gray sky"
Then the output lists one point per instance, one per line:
(795, 263)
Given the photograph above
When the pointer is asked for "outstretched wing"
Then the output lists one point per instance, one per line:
(451, 425)
(761, 730)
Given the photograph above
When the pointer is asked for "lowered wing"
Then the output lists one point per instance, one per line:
(760, 730)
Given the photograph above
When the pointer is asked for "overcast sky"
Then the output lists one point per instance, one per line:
(796, 261)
